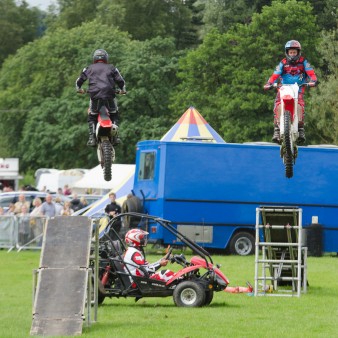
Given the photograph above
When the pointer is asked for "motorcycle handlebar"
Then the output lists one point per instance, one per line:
(85, 91)
(278, 85)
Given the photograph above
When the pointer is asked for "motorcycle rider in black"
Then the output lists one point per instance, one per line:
(102, 79)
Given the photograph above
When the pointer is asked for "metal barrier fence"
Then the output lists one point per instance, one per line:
(21, 232)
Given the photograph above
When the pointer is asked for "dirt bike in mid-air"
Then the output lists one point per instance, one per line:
(288, 124)
(105, 133)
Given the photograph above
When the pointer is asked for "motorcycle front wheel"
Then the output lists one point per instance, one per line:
(288, 156)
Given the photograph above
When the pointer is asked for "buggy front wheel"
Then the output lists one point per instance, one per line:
(189, 294)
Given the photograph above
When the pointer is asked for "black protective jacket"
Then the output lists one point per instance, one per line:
(102, 80)
(112, 207)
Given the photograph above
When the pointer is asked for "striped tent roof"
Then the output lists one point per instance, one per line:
(192, 127)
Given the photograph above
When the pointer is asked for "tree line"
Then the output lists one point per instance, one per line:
(214, 55)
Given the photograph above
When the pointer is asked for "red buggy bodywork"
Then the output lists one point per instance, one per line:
(193, 285)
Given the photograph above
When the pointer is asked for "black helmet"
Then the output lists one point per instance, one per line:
(100, 55)
(292, 44)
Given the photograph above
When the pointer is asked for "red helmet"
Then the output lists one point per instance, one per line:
(136, 237)
(100, 55)
(292, 44)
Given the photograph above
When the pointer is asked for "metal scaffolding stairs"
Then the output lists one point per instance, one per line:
(280, 253)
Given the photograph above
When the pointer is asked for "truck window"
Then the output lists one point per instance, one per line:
(147, 166)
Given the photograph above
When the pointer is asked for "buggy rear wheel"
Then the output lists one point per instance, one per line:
(101, 295)
(189, 294)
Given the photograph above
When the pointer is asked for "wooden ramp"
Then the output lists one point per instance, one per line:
(60, 295)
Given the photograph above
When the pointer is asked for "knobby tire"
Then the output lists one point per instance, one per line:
(107, 159)
(288, 154)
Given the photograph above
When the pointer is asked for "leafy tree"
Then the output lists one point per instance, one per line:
(326, 12)
(74, 13)
(19, 25)
(37, 92)
(322, 115)
(147, 19)
(222, 14)
(232, 68)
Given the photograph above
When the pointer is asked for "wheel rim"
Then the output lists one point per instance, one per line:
(188, 296)
(288, 157)
(287, 134)
(243, 246)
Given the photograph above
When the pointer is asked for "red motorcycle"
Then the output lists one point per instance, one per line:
(106, 131)
(288, 124)
(106, 134)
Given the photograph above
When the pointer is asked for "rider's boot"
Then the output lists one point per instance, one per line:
(301, 131)
(115, 139)
(91, 132)
(276, 134)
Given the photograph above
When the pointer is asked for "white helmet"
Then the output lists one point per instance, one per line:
(136, 237)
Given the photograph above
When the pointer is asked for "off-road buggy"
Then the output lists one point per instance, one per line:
(192, 286)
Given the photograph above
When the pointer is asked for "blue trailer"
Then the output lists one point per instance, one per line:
(211, 191)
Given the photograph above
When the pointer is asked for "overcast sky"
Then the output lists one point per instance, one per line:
(42, 4)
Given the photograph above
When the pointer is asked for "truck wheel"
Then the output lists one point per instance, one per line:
(243, 244)
(189, 294)
(134, 204)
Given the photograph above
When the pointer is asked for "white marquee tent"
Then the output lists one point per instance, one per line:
(94, 180)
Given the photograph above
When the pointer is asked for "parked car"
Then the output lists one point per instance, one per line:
(89, 198)
(6, 198)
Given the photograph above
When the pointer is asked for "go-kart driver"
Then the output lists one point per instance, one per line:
(135, 260)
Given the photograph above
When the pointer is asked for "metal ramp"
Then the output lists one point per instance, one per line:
(60, 296)
(280, 252)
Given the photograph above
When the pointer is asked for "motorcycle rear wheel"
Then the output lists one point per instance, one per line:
(107, 159)
(288, 155)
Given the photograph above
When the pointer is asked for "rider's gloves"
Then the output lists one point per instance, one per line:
(123, 90)
(267, 86)
(80, 91)
(312, 84)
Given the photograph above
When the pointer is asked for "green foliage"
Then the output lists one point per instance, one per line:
(326, 12)
(238, 108)
(52, 117)
(74, 13)
(28, 179)
(323, 108)
(142, 19)
(222, 14)
(19, 25)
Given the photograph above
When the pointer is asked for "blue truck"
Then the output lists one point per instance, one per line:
(211, 191)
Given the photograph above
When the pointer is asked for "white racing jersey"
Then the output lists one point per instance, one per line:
(135, 262)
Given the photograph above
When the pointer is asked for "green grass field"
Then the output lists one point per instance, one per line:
(314, 314)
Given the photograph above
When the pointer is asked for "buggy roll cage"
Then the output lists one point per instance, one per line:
(167, 225)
